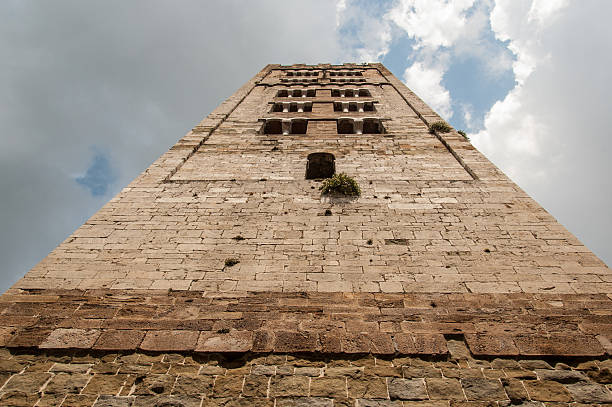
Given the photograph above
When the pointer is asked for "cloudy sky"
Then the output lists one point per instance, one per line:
(92, 92)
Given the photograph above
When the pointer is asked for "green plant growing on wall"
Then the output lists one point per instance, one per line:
(340, 184)
(440, 127)
(465, 136)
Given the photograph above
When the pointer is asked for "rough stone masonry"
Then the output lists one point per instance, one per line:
(222, 277)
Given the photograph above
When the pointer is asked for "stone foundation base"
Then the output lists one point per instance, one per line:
(70, 378)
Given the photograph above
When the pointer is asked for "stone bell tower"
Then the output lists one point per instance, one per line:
(222, 277)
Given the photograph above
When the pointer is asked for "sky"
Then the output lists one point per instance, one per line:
(91, 93)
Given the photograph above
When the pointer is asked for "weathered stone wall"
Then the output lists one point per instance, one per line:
(443, 284)
(435, 215)
(171, 379)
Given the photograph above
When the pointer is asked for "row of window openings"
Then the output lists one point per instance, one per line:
(298, 80)
(344, 126)
(347, 73)
(347, 80)
(316, 73)
(284, 93)
(301, 73)
(300, 107)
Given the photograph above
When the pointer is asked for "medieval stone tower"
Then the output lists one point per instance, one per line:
(222, 277)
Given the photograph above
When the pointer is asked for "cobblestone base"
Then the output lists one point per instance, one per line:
(187, 380)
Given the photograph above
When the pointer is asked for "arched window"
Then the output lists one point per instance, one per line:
(320, 165)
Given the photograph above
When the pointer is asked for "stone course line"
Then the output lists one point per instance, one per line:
(328, 323)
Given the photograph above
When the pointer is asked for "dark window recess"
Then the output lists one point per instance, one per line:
(292, 107)
(353, 106)
(320, 165)
(364, 92)
(311, 93)
(372, 126)
(273, 127)
(282, 93)
(296, 93)
(299, 126)
(346, 126)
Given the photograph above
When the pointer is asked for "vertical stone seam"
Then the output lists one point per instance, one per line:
(254, 82)
(435, 133)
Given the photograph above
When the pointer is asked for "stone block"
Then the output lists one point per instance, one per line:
(233, 341)
(483, 389)
(119, 339)
(289, 386)
(547, 391)
(71, 338)
(407, 389)
(444, 389)
(63, 383)
(168, 341)
(328, 387)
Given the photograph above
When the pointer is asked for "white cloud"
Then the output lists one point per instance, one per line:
(426, 82)
(544, 11)
(550, 133)
(365, 33)
(432, 23)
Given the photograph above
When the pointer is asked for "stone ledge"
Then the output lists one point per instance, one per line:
(527, 325)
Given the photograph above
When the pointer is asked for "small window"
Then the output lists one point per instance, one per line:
(282, 93)
(289, 73)
(346, 126)
(296, 93)
(307, 107)
(277, 107)
(273, 127)
(311, 93)
(348, 93)
(364, 92)
(320, 165)
(372, 126)
(299, 126)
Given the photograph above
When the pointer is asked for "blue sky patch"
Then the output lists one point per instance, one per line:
(99, 176)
